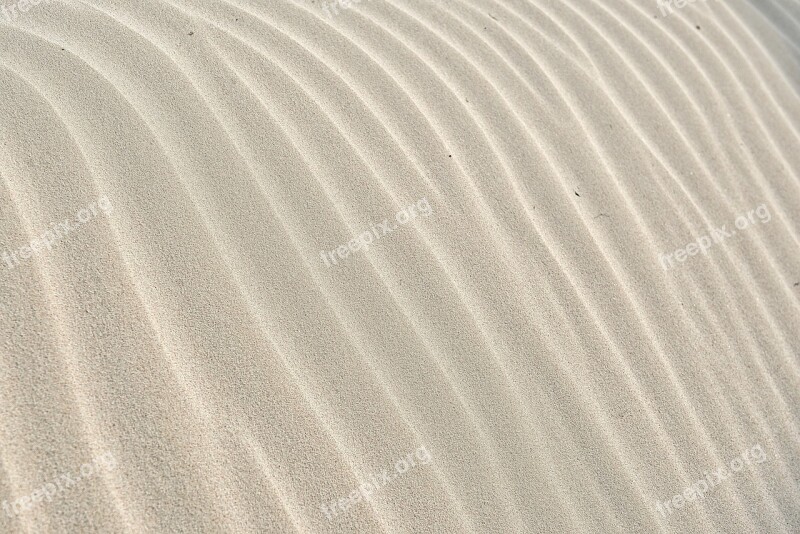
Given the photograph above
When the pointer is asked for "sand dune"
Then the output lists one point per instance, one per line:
(400, 266)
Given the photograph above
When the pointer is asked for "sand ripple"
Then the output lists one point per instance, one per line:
(524, 333)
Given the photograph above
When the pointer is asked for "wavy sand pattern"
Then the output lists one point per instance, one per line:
(400, 266)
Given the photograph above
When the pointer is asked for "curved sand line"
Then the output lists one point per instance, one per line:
(524, 332)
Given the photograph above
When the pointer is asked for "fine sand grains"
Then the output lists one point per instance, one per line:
(543, 335)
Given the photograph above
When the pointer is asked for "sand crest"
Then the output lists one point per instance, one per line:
(491, 266)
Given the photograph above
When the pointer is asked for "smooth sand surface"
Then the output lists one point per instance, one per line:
(429, 266)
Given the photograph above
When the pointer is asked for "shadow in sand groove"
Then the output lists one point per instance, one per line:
(786, 21)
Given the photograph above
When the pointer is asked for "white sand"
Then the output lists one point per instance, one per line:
(520, 353)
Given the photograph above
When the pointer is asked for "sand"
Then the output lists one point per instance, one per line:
(489, 266)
